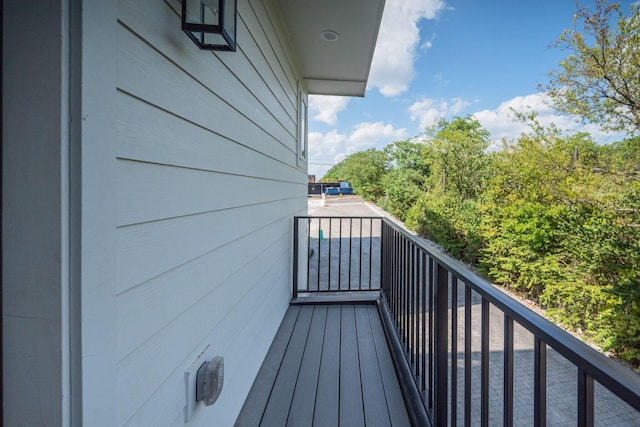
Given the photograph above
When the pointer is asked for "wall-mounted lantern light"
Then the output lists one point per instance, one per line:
(211, 24)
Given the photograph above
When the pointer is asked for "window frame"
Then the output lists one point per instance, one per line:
(302, 139)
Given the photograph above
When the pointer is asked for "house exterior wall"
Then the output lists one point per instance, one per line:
(167, 204)
(207, 183)
(35, 273)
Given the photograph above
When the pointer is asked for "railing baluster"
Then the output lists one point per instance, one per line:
(350, 251)
(454, 350)
(403, 292)
(417, 316)
(319, 253)
(412, 311)
(396, 279)
(484, 365)
(407, 296)
(340, 256)
(425, 333)
(383, 257)
(371, 250)
(416, 307)
(539, 383)
(309, 249)
(467, 356)
(431, 332)
(508, 372)
(441, 335)
(409, 285)
(329, 256)
(585, 399)
(360, 259)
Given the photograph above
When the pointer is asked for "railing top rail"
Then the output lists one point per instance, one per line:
(335, 217)
(602, 369)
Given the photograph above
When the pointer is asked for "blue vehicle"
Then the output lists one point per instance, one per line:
(344, 190)
(332, 191)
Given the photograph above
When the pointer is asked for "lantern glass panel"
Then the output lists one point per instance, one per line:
(230, 18)
(193, 12)
(210, 12)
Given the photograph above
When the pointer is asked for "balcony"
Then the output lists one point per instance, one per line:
(384, 329)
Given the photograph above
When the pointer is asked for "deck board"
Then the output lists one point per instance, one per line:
(329, 365)
(372, 387)
(302, 407)
(395, 402)
(277, 409)
(253, 408)
(328, 394)
(350, 385)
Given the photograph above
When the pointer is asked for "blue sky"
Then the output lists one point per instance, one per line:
(439, 59)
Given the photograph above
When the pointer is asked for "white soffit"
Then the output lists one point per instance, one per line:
(339, 67)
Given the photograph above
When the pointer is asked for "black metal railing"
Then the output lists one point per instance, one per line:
(478, 357)
(336, 254)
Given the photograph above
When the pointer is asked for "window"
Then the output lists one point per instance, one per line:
(302, 129)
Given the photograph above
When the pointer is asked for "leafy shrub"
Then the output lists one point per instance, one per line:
(450, 223)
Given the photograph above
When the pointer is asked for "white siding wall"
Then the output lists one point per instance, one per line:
(207, 183)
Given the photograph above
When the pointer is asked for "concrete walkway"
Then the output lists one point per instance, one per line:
(561, 374)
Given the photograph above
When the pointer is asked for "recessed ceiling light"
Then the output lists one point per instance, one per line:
(329, 35)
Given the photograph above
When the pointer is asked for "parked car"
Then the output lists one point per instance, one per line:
(332, 191)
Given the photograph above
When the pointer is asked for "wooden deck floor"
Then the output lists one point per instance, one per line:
(329, 365)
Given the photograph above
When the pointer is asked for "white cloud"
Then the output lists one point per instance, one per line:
(392, 69)
(326, 108)
(500, 121)
(326, 149)
(429, 111)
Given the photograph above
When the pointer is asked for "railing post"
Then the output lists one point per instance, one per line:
(441, 329)
(295, 257)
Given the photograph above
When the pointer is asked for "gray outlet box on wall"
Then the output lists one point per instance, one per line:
(209, 381)
(203, 381)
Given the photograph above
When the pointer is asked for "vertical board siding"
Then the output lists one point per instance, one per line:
(207, 183)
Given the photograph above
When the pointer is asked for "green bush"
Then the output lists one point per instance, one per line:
(450, 223)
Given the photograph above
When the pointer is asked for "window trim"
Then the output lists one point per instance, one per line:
(302, 139)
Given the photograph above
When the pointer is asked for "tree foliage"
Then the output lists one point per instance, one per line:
(365, 171)
(458, 156)
(553, 217)
(447, 211)
(405, 182)
(600, 78)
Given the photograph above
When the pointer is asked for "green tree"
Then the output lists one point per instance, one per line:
(447, 212)
(560, 219)
(600, 78)
(365, 171)
(402, 189)
(405, 182)
(408, 154)
(458, 156)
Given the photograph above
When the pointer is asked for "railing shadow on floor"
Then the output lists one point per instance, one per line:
(510, 363)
